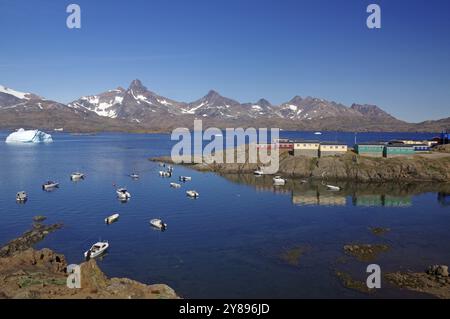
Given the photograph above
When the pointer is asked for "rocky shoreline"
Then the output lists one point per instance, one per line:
(347, 167)
(26, 273)
(434, 281)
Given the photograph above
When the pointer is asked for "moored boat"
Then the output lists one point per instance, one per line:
(333, 188)
(111, 219)
(123, 194)
(76, 176)
(175, 185)
(192, 194)
(185, 178)
(96, 250)
(277, 180)
(134, 175)
(158, 223)
(50, 185)
(165, 174)
(258, 172)
(21, 197)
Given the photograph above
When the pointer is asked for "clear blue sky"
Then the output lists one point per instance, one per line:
(245, 49)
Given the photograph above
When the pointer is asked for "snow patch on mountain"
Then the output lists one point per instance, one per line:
(195, 108)
(164, 102)
(118, 100)
(17, 94)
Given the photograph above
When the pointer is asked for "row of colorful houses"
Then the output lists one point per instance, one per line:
(314, 148)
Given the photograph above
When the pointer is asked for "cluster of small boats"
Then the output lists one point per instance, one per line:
(22, 196)
(279, 181)
(123, 194)
(183, 179)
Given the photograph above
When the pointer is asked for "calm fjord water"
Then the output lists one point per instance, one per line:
(228, 242)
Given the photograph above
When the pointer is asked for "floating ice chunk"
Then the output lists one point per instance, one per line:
(29, 136)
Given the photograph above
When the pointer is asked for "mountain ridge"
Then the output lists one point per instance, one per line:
(139, 109)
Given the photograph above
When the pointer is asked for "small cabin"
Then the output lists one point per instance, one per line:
(332, 149)
(374, 149)
(306, 148)
(393, 150)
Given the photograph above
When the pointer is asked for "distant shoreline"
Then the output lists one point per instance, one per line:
(138, 131)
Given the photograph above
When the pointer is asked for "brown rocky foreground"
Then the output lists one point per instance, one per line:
(347, 167)
(435, 281)
(41, 274)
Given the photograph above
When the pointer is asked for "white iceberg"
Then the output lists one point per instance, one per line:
(29, 136)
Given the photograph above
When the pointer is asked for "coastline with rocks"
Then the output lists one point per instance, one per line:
(427, 167)
(27, 273)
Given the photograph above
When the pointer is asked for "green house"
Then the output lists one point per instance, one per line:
(370, 149)
(398, 150)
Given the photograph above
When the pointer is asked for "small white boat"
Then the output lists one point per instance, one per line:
(185, 178)
(165, 174)
(162, 165)
(134, 175)
(318, 133)
(158, 223)
(76, 176)
(21, 197)
(192, 194)
(333, 188)
(111, 219)
(258, 172)
(170, 168)
(96, 250)
(50, 185)
(123, 194)
(277, 180)
(175, 185)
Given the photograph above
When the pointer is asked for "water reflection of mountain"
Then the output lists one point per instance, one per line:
(307, 192)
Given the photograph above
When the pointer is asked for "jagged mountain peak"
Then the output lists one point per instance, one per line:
(264, 102)
(296, 99)
(212, 93)
(136, 84)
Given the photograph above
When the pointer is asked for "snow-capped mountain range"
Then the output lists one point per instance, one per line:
(137, 108)
(137, 102)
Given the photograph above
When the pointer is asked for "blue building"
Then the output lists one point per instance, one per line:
(419, 148)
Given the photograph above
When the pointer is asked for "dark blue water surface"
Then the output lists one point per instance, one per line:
(229, 242)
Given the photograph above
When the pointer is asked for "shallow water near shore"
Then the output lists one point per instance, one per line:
(231, 241)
